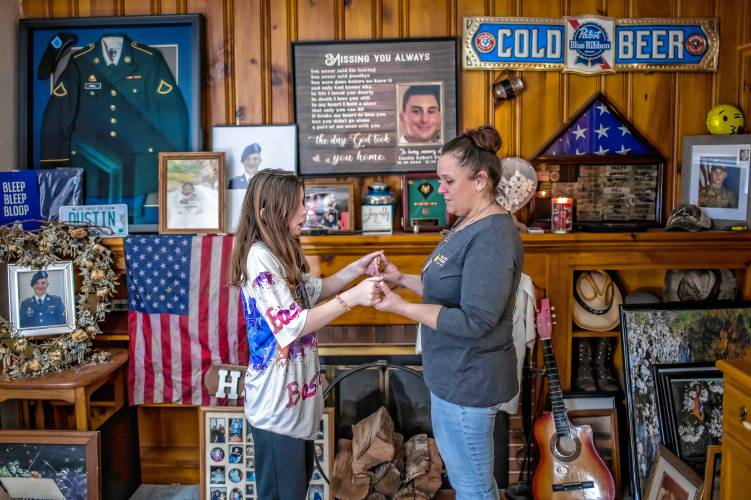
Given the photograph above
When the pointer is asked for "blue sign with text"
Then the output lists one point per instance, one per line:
(19, 198)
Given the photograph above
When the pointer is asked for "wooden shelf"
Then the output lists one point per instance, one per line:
(168, 464)
(585, 334)
(366, 350)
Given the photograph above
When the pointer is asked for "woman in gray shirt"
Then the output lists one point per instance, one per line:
(468, 287)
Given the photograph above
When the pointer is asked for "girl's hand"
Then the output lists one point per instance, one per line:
(390, 302)
(386, 269)
(366, 293)
(364, 264)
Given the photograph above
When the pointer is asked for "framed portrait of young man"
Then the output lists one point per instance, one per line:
(191, 192)
(715, 177)
(42, 301)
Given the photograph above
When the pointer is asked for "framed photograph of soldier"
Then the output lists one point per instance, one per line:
(41, 301)
(659, 334)
(248, 149)
(50, 464)
(689, 402)
(329, 205)
(715, 177)
(374, 106)
(423, 207)
(712, 472)
(108, 94)
(604, 424)
(671, 478)
(191, 192)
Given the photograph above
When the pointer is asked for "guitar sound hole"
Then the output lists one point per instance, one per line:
(565, 448)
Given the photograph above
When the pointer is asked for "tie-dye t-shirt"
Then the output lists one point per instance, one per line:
(282, 392)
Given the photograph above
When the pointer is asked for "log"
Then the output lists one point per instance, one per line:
(372, 442)
(430, 482)
(344, 484)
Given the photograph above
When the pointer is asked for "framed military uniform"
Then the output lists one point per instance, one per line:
(108, 95)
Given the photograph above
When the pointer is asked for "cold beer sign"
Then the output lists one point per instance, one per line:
(590, 44)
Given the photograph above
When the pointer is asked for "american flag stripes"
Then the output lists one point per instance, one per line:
(182, 316)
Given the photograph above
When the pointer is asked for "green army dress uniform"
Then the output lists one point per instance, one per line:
(114, 119)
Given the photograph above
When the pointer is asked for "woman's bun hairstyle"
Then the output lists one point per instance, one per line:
(476, 149)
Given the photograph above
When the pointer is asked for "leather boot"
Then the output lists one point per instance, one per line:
(585, 381)
(603, 366)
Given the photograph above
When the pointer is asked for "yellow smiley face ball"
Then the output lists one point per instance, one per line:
(725, 120)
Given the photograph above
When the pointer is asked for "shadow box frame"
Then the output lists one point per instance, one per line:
(579, 417)
(164, 159)
(406, 203)
(317, 183)
(90, 440)
(32, 40)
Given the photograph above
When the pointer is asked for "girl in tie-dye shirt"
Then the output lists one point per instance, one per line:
(283, 309)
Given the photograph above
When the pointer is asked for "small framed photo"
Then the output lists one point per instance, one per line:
(423, 207)
(689, 403)
(42, 301)
(248, 149)
(712, 472)
(329, 205)
(671, 478)
(191, 192)
(604, 424)
(50, 464)
(715, 177)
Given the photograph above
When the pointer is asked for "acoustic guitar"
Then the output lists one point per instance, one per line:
(569, 466)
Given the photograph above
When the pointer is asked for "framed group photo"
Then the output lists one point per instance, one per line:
(42, 302)
(108, 94)
(715, 177)
(659, 334)
(374, 106)
(191, 192)
(64, 465)
(329, 205)
(249, 149)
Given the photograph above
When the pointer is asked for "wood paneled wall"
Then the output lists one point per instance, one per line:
(248, 80)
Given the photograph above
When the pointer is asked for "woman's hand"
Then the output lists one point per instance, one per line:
(366, 293)
(381, 266)
(390, 302)
(364, 264)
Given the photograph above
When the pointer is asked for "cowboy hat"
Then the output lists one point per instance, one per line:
(684, 285)
(596, 301)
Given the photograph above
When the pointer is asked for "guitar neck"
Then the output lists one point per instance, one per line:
(556, 395)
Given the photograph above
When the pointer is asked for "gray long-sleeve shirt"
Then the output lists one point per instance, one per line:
(469, 358)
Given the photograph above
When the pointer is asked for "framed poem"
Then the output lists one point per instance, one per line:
(423, 207)
(715, 177)
(108, 94)
(689, 403)
(248, 149)
(374, 106)
(671, 478)
(329, 205)
(604, 424)
(50, 464)
(712, 473)
(671, 333)
(191, 192)
(42, 301)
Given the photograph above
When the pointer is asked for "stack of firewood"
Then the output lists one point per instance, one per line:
(377, 464)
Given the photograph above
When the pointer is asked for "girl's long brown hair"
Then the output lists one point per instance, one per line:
(278, 193)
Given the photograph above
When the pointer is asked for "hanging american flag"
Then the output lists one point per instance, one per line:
(597, 131)
(182, 316)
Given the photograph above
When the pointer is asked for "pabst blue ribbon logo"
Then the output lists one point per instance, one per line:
(590, 41)
(696, 44)
(485, 42)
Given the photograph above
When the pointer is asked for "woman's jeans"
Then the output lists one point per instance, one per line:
(464, 435)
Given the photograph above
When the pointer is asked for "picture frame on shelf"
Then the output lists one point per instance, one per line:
(604, 424)
(123, 119)
(671, 478)
(329, 205)
(422, 205)
(249, 149)
(191, 192)
(50, 464)
(712, 472)
(671, 333)
(42, 302)
(689, 402)
(715, 177)
(374, 106)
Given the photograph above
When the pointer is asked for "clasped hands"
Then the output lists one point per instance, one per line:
(375, 291)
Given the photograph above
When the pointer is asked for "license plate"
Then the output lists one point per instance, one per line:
(110, 221)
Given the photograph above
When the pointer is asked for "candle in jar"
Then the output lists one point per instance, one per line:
(562, 215)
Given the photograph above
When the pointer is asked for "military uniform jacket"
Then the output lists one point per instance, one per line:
(113, 120)
(50, 312)
(713, 197)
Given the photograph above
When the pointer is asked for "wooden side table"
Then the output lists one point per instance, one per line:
(75, 386)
